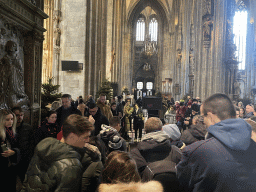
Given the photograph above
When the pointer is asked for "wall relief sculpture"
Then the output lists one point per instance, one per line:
(207, 27)
(207, 7)
(12, 78)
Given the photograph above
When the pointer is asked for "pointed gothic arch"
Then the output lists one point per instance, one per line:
(137, 7)
(133, 13)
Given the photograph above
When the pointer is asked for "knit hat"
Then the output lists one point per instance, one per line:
(111, 138)
(115, 142)
(172, 131)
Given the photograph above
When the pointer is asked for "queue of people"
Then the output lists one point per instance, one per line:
(80, 148)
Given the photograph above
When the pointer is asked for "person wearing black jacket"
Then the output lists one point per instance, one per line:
(98, 117)
(195, 132)
(25, 142)
(66, 109)
(138, 123)
(9, 151)
(48, 128)
(155, 148)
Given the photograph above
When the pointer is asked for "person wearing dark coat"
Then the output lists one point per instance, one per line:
(98, 117)
(195, 132)
(9, 151)
(66, 109)
(154, 147)
(111, 138)
(173, 132)
(225, 161)
(59, 166)
(48, 128)
(25, 142)
(113, 109)
(138, 123)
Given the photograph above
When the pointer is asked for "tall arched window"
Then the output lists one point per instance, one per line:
(240, 32)
(153, 27)
(140, 30)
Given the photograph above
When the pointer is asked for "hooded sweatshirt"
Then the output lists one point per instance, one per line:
(225, 161)
(233, 133)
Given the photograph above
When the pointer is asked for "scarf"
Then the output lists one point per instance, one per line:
(9, 134)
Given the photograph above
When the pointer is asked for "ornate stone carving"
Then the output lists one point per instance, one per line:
(57, 33)
(191, 61)
(207, 7)
(57, 50)
(179, 56)
(207, 27)
(237, 89)
(12, 87)
(146, 67)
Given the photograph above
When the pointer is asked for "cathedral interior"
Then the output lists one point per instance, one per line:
(175, 47)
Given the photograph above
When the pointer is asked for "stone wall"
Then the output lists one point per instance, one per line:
(72, 43)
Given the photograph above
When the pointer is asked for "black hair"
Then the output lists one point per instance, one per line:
(114, 103)
(17, 108)
(66, 96)
(92, 105)
(220, 105)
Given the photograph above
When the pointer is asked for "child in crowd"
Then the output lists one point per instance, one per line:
(48, 128)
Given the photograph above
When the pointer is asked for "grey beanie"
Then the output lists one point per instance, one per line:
(172, 131)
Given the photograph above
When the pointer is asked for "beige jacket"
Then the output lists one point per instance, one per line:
(105, 110)
(151, 186)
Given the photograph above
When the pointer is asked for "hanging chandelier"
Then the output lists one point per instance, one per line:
(150, 48)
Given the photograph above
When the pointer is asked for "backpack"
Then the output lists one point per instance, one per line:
(157, 168)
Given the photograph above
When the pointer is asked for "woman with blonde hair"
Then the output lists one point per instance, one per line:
(10, 154)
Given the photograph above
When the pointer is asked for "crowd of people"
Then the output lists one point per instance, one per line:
(83, 145)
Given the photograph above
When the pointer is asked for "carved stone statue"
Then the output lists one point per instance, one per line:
(237, 89)
(207, 28)
(57, 33)
(179, 56)
(12, 89)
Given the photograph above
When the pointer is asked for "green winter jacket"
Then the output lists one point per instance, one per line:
(57, 166)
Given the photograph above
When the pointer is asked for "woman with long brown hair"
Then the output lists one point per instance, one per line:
(121, 174)
(120, 167)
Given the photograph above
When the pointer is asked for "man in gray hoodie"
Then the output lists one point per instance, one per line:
(225, 161)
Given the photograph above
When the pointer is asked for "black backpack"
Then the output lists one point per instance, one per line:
(156, 168)
(163, 171)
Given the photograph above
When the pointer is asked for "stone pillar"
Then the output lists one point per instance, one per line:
(48, 42)
(56, 42)
(110, 55)
(33, 47)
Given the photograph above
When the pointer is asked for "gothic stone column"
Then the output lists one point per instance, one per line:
(33, 48)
